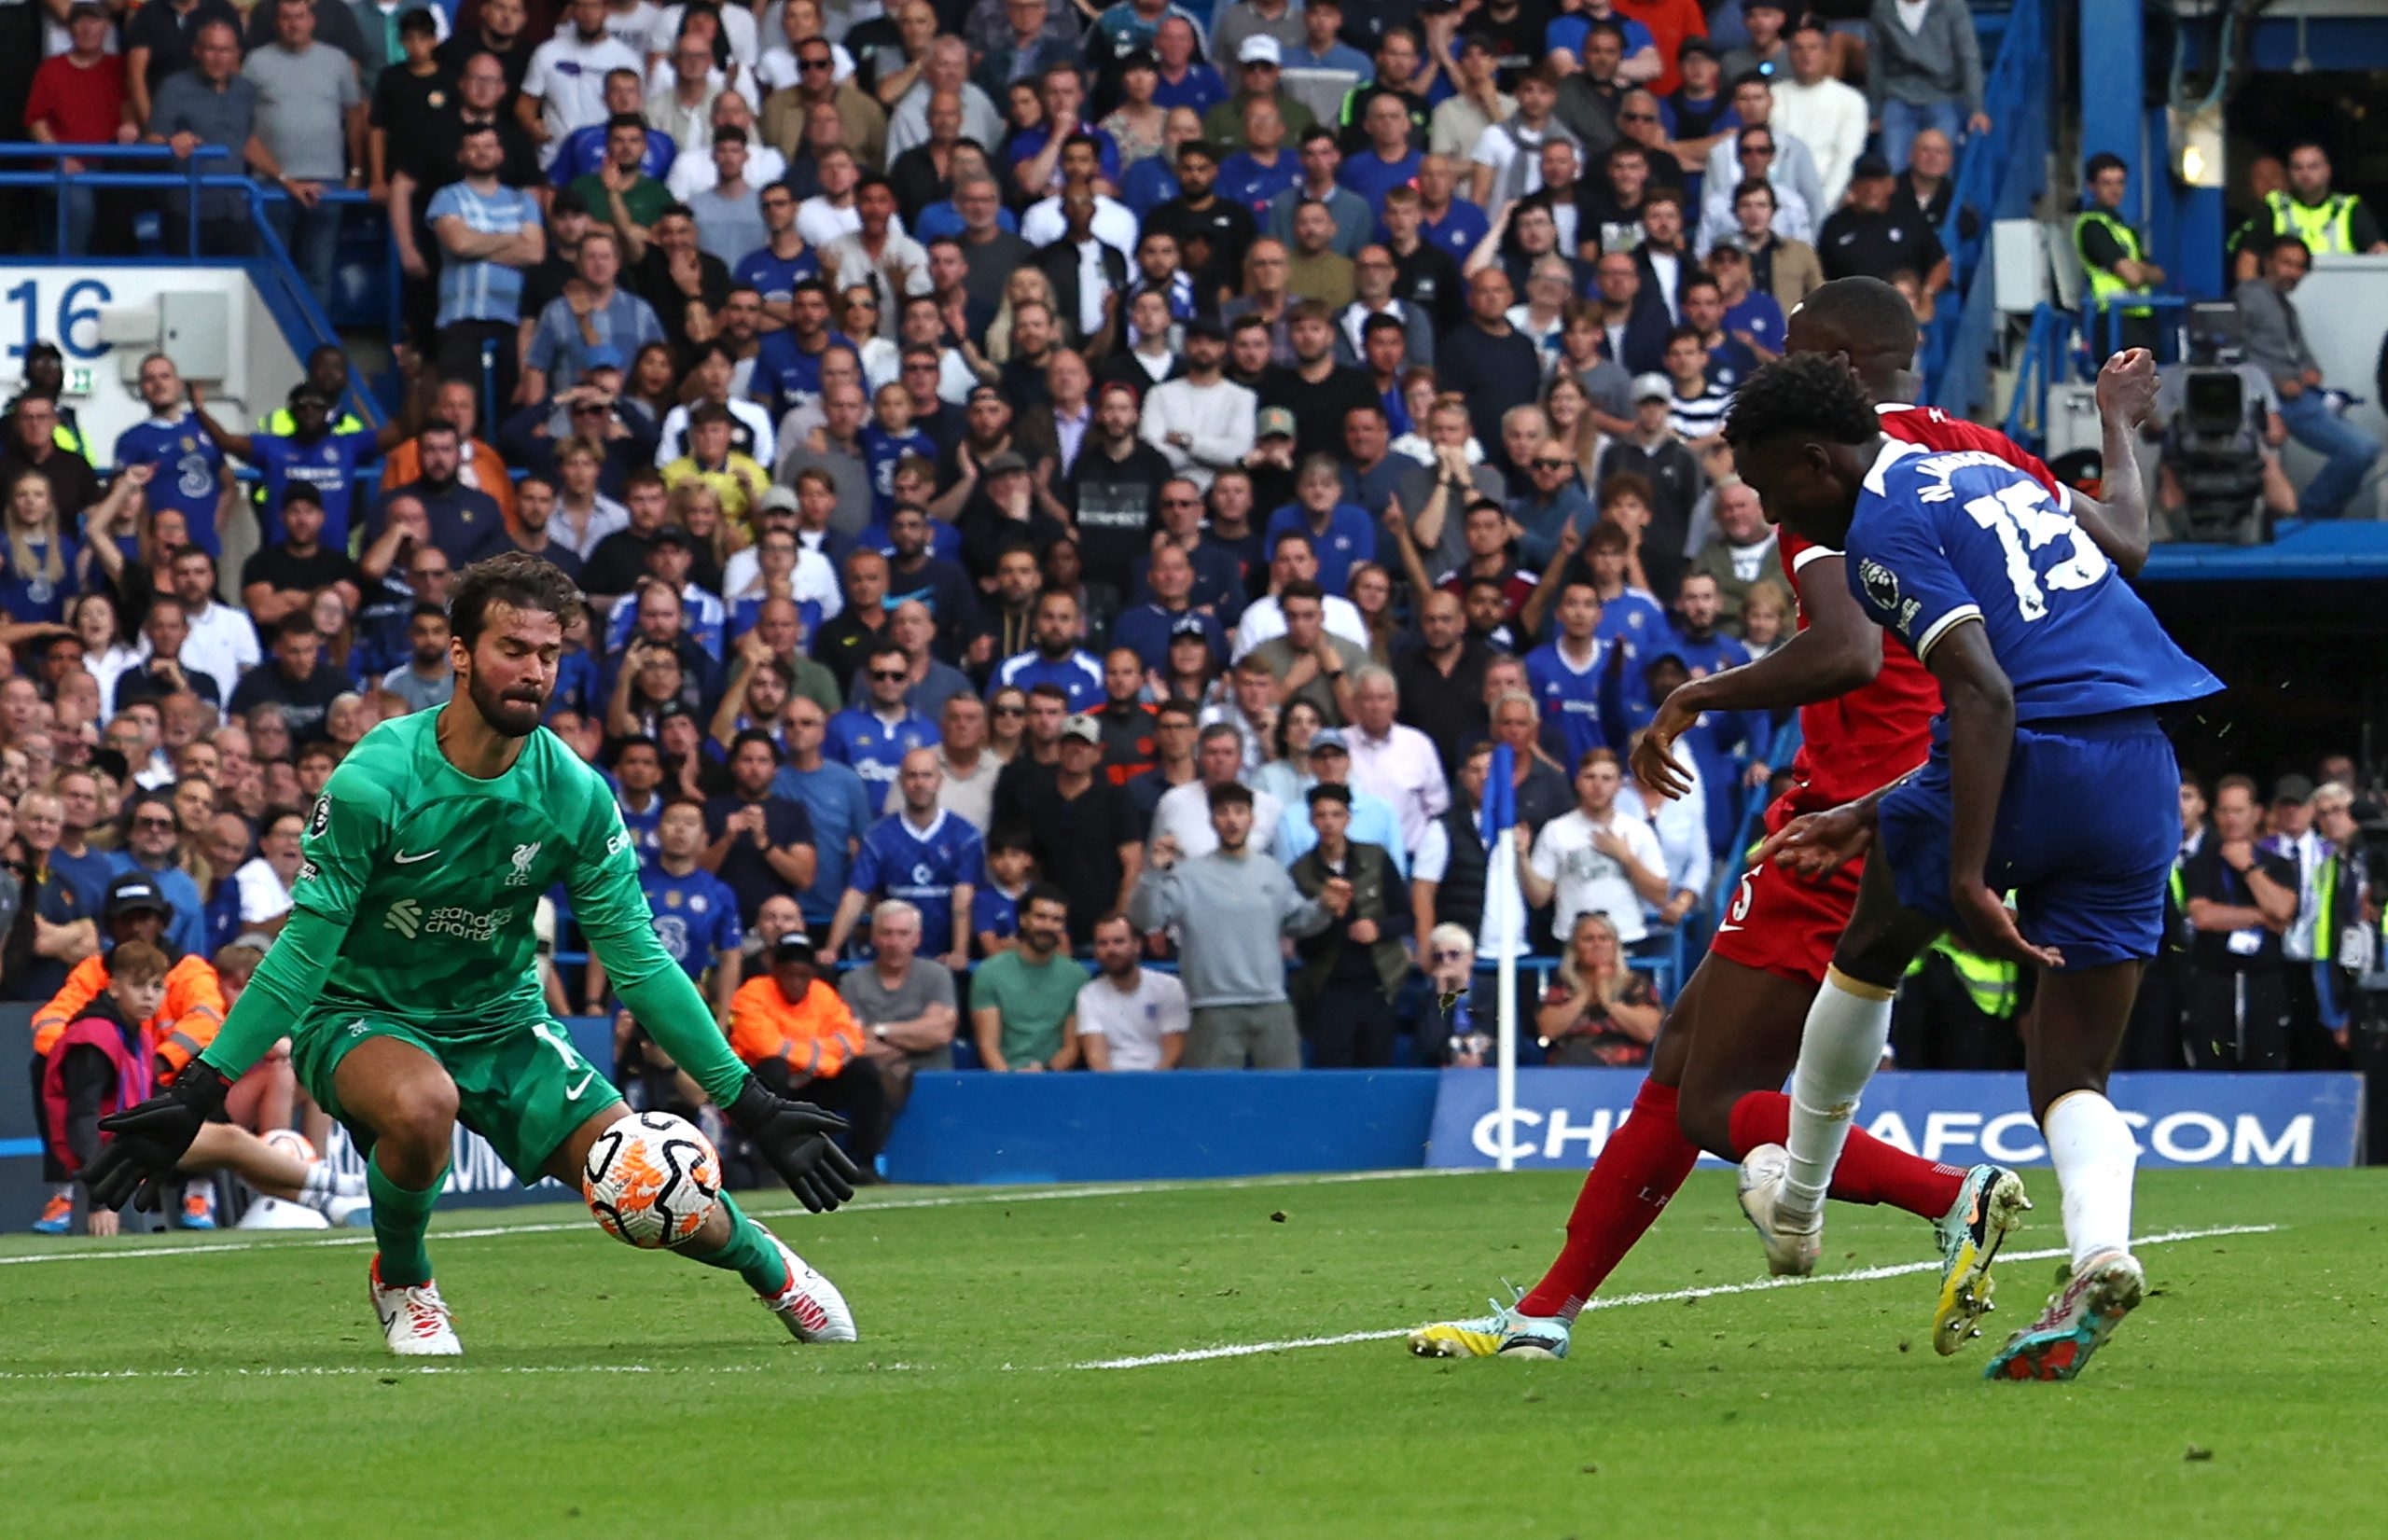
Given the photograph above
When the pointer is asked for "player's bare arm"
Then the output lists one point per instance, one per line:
(1839, 651)
(2117, 522)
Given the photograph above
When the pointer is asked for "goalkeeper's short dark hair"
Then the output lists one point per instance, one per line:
(516, 578)
(1805, 393)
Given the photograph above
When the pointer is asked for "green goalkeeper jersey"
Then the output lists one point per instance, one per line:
(416, 893)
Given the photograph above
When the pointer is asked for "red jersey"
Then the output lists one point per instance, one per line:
(1853, 745)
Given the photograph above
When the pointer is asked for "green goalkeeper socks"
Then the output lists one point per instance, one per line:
(401, 1216)
(749, 1254)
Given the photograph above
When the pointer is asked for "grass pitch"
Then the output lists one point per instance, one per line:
(231, 1385)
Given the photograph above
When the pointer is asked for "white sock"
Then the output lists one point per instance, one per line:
(1847, 1027)
(319, 1185)
(2094, 1155)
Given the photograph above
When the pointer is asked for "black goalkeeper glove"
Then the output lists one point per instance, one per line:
(794, 1136)
(148, 1140)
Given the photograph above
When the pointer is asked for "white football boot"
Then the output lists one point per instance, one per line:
(810, 1306)
(1789, 1252)
(414, 1319)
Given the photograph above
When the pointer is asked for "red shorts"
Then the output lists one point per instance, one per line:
(1780, 925)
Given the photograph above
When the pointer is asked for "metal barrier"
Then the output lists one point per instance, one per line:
(271, 266)
(1785, 747)
(2054, 350)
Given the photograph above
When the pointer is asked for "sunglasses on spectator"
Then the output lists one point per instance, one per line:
(1550, 464)
(1637, 116)
(1011, 711)
(1758, 149)
(813, 60)
(889, 674)
(153, 824)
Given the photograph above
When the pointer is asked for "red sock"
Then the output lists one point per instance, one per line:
(1641, 1167)
(1871, 1171)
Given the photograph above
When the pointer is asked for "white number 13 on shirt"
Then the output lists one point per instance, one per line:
(2020, 516)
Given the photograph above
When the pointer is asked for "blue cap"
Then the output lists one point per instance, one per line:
(1330, 738)
(605, 355)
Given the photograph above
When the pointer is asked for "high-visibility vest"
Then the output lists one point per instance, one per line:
(2325, 901)
(2326, 227)
(1989, 983)
(2105, 288)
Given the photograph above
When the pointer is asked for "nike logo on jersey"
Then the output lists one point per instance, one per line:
(574, 1093)
(403, 859)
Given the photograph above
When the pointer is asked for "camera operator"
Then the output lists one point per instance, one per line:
(2218, 473)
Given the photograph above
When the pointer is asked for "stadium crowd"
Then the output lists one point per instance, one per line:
(1071, 501)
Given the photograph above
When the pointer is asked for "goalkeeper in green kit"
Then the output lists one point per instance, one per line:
(406, 982)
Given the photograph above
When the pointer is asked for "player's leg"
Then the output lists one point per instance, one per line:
(398, 1096)
(2071, 1037)
(1840, 1046)
(808, 1304)
(2092, 889)
(262, 1100)
(1641, 1167)
(276, 1173)
(258, 1099)
(399, 1101)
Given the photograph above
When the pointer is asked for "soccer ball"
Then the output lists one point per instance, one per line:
(291, 1142)
(652, 1179)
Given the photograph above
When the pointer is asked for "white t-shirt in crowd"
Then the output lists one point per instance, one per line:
(1588, 879)
(1432, 860)
(1183, 813)
(1132, 1024)
(1263, 621)
(263, 898)
(568, 76)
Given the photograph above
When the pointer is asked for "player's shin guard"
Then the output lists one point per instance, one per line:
(1847, 1027)
(1869, 1170)
(2091, 1148)
(1642, 1165)
(749, 1252)
(401, 1218)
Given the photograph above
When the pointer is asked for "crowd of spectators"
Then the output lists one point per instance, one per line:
(1052, 484)
(2271, 951)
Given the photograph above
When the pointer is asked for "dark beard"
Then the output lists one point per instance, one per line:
(506, 717)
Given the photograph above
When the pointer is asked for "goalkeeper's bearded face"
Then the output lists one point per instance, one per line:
(510, 670)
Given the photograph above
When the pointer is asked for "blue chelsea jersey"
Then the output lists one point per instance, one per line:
(695, 916)
(189, 472)
(922, 867)
(1942, 539)
(874, 749)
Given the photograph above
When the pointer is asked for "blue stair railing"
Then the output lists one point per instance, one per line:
(295, 307)
(1999, 175)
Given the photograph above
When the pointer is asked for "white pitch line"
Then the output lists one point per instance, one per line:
(1619, 1301)
(387, 1371)
(959, 1199)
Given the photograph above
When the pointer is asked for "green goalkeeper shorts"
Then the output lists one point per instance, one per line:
(524, 1087)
